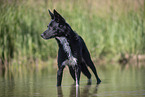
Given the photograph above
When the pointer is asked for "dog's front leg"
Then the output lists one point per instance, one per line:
(59, 75)
(77, 74)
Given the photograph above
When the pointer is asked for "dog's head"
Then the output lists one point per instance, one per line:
(56, 27)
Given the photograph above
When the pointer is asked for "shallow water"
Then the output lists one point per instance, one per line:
(116, 82)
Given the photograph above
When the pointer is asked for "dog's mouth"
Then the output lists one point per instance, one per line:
(44, 37)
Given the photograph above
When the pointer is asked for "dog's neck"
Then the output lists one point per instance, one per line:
(70, 35)
(65, 42)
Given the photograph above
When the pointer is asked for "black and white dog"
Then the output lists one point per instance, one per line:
(72, 49)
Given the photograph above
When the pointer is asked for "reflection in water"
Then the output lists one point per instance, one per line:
(8, 83)
(75, 91)
(116, 82)
(59, 92)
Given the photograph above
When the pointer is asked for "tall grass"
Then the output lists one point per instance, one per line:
(109, 27)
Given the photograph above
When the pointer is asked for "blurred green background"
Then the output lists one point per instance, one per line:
(110, 28)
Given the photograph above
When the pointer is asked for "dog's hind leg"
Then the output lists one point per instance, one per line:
(86, 72)
(89, 62)
(59, 75)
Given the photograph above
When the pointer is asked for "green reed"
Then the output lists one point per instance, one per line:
(108, 30)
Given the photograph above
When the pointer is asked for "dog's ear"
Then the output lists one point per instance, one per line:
(58, 17)
(51, 14)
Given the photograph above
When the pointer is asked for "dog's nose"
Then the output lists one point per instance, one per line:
(41, 35)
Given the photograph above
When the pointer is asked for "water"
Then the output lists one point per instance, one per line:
(116, 82)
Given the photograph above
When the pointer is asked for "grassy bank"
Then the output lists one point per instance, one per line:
(109, 27)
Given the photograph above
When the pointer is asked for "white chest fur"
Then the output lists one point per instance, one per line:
(71, 61)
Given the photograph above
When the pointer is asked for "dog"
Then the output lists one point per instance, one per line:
(72, 49)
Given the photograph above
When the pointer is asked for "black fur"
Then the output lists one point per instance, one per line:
(72, 49)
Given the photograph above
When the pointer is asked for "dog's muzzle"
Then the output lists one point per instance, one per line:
(42, 35)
